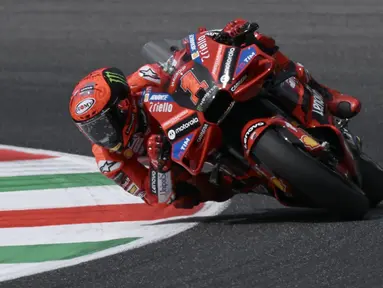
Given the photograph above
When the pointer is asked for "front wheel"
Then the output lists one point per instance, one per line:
(310, 177)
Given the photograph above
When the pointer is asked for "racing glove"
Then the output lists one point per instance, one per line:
(169, 182)
(237, 32)
(160, 174)
(235, 27)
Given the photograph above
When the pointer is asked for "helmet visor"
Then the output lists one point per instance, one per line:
(102, 130)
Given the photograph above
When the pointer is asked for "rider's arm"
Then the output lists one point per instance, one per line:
(147, 75)
(129, 174)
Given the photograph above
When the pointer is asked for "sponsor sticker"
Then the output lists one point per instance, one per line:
(279, 184)
(180, 147)
(87, 90)
(250, 131)
(192, 43)
(245, 57)
(309, 142)
(203, 48)
(202, 132)
(217, 60)
(161, 107)
(165, 187)
(195, 55)
(292, 82)
(153, 181)
(184, 127)
(228, 66)
(236, 85)
(207, 98)
(160, 97)
(175, 119)
(193, 48)
(291, 126)
(175, 77)
(85, 105)
(115, 77)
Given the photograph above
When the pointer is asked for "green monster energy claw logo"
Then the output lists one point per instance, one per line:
(115, 78)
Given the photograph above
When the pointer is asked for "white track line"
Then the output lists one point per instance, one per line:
(62, 165)
(66, 197)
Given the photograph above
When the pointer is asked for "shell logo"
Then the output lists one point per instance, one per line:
(309, 142)
(278, 183)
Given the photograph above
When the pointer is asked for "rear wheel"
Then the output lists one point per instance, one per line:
(372, 179)
(309, 177)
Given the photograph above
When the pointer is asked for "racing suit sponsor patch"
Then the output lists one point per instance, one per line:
(108, 166)
(126, 183)
(135, 146)
(119, 178)
(132, 189)
(318, 103)
(147, 73)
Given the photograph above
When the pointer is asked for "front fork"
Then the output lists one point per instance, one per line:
(354, 141)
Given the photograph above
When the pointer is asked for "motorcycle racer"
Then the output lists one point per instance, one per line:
(105, 106)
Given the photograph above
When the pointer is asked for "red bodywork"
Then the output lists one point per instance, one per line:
(247, 78)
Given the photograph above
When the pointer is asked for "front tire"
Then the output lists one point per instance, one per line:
(309, 177)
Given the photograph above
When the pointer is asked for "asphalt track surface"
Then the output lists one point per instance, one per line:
(46, 46)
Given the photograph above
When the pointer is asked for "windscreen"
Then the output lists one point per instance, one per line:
(160, 51)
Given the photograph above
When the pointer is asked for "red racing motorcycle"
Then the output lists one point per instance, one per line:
(220, 121)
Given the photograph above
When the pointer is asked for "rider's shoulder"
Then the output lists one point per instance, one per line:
(149, 73)
(99, 151)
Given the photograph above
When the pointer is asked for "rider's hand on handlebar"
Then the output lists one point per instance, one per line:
(235, 30)
(159, 152)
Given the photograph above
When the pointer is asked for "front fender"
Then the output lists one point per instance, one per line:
(254, 129)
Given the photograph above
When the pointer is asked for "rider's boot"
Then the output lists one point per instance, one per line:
(340, 105)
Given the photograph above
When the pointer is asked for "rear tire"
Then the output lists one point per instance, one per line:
(309, 177)
(372, 179)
